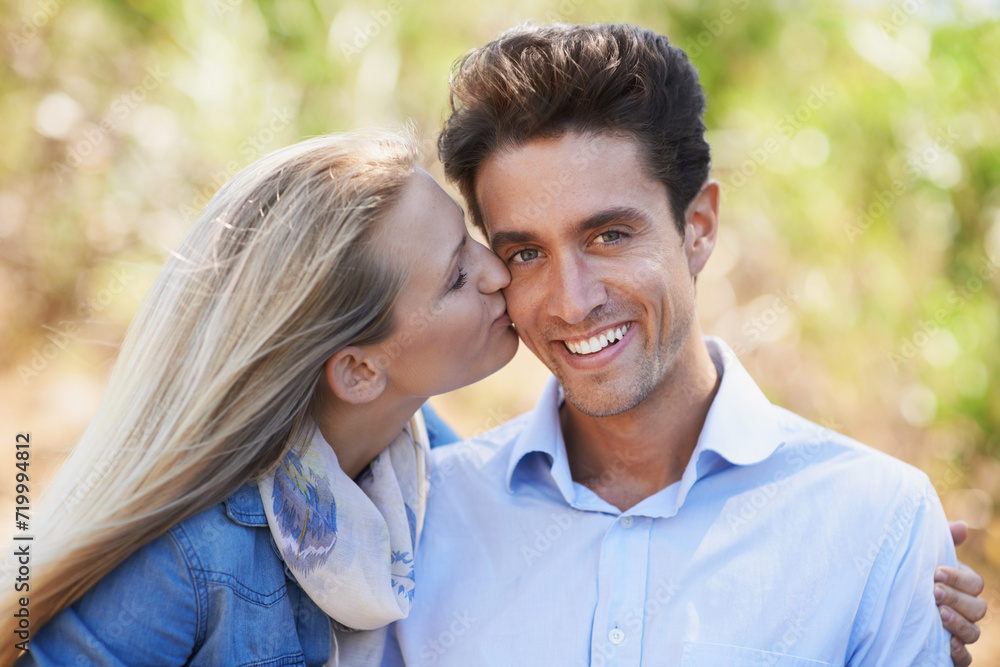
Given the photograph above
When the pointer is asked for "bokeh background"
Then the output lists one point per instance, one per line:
(857, 141)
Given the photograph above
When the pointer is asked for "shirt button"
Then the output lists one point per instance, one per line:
(627, 521)
(617, 636)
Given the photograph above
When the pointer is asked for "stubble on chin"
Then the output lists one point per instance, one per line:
(608, 396)
(607, 399)
(610, 392)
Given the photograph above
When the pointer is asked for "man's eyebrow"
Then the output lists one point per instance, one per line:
(610, 216)
(510, 238)
(606, 217)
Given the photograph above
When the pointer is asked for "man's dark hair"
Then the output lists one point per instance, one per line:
(536, 82)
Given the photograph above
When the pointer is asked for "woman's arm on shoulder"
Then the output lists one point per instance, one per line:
(438, 432)
(144, 612)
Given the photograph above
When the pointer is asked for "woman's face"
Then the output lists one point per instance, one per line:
(452, 327)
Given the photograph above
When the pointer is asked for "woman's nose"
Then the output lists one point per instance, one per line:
(493, 274)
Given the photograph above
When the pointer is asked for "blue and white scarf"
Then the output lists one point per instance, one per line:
(350, 544)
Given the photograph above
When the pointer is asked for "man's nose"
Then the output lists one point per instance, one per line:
(575, 290)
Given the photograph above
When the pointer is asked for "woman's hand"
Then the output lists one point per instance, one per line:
(957, 593)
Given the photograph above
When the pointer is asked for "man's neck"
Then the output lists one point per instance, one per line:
(628, 457)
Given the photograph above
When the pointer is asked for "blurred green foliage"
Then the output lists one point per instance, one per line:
(858, 144)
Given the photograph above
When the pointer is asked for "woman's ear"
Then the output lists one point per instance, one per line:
(354, 376)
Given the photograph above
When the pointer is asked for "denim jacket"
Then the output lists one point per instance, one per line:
(211, 591)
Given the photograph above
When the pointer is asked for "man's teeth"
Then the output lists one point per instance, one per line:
(598, 342)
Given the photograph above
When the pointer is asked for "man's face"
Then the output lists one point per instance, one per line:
(602, 286)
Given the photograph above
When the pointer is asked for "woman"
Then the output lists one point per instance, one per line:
(270, 388)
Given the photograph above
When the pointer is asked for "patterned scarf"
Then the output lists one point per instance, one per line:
(350, 544)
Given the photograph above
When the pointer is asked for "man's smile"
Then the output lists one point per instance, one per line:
(597, 342)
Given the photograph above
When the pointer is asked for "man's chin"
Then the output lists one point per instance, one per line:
(600, 401)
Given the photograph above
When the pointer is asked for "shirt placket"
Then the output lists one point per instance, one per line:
(616, 638)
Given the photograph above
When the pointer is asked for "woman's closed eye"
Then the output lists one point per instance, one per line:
(462, 279)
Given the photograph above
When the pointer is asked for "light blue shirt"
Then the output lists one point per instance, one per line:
(783, 544)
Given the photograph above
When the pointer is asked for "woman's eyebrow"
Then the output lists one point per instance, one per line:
(458, 248)
(454, 256)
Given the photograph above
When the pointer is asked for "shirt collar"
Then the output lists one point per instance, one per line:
(542, 434)
(245, 506)
(741, 427)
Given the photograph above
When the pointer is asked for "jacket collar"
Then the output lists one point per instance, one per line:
(245, 506)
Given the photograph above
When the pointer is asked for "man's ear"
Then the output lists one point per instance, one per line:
(354, 376)
(701, 224)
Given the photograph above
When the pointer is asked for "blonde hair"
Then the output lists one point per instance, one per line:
(218, 371)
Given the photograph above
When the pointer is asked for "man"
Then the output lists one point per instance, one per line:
(654, 508)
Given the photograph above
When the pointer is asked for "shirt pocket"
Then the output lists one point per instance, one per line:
(712, 655)
(251, 622)
(259, 592)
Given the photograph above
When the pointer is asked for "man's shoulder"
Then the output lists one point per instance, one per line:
(485, 453)
(823, 455)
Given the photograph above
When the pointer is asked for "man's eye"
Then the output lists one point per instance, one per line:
(609, 237)
(525, 255)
